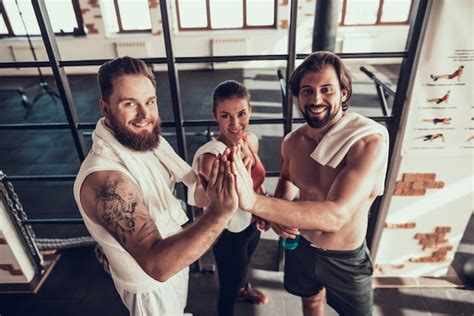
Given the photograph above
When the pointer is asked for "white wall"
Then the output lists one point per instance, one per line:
(17, 265)
(97, 44)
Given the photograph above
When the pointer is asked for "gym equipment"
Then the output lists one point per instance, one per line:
(44, 88)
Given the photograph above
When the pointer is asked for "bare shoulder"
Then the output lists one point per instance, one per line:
(100, 176)
(373, 141)
(99, 180)
(293, 138)
(253, 140)
(370, 148)
(298, 134)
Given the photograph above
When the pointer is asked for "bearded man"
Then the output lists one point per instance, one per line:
(124, 193)
(337, 163)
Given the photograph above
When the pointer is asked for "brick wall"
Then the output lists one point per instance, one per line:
(416, 184)
(435, 242)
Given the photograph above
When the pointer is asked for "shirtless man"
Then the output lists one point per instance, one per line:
(331, 261)
(124, 194)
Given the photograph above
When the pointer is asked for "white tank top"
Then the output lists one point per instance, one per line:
(126, 272)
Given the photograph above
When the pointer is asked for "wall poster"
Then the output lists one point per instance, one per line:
(433, 196)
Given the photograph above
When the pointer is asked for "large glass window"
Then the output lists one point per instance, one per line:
(374, 12)
(395, 10)
(126, 16)
(65, 16)
(255, 8)
(193, 14)
(361, 12)
(4, 28)
(225, 14)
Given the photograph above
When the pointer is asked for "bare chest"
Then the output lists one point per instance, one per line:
(313, 179)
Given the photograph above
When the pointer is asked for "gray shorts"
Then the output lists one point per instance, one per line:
(346, 275)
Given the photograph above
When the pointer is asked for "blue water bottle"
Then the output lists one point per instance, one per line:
(290, 243)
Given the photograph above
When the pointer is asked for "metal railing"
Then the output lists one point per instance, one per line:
(383, 90)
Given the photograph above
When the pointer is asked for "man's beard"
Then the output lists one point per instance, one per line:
(316, 122)
(143, 141)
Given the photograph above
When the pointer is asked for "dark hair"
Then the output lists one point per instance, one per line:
(116, 68)
(227, 90)
(315, 62)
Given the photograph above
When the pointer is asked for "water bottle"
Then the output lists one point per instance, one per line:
(290, 243)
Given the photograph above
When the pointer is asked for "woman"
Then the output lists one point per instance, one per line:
(235, 247)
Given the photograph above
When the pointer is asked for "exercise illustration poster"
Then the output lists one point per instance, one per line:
(441, 117)
(431, 199)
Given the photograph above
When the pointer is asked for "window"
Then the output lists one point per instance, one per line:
(225, 14)
(5, 27)
(65, 17)
(374, 12)
(125, 16)
(395, 11)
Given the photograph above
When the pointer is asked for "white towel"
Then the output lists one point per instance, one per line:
(334, 146)
(155, 189)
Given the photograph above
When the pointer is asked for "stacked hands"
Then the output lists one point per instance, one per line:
(230, 186)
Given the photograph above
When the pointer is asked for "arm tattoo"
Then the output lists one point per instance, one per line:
(148, 228)
(116, 206)
(117, 209)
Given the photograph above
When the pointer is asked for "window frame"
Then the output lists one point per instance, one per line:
(8, 25)
(77, 12)
(244, 27)
(378, 21)
(119, 22)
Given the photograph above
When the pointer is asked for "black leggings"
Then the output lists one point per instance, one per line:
(233, 252)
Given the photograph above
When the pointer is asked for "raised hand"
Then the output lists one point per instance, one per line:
(221, 189)
(244, 182)
(247, 163)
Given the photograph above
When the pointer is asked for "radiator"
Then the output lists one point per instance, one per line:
(229, 46)
(138, 49)
(22, 52)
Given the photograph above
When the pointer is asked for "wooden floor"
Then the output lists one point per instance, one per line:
(78, 286)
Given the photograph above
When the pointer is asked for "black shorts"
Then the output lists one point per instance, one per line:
(346, 275)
